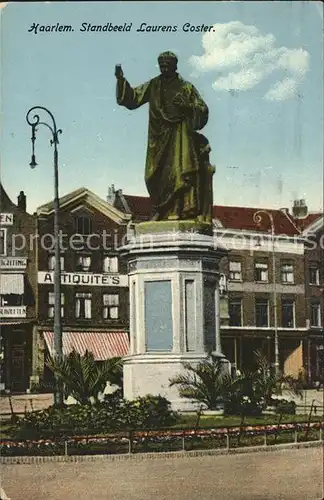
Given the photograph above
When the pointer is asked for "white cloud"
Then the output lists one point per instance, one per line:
(243, 58)
(283, 90)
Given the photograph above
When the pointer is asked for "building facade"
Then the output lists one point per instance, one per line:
(17, 292)
(314, 284)
(94, 280)
(265, 294)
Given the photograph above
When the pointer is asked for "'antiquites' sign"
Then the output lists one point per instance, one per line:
(47, 278)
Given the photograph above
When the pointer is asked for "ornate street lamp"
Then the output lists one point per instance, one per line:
(257, 218)
(34, 122)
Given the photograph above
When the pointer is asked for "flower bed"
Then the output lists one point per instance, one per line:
(164, 440)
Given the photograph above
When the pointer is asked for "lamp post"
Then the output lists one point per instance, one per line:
(257, 218)
(34, 122)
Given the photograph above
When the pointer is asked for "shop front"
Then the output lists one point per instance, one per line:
(15, 357)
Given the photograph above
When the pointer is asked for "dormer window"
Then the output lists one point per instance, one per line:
(83, 225)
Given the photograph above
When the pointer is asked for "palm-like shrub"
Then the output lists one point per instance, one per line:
(84, 378)
(206, 382)
(247, 393)
(267, 383)
(253, 391)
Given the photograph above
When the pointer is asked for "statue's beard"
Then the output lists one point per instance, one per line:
(168, 74)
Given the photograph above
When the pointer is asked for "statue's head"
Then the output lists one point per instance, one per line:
(168, 63)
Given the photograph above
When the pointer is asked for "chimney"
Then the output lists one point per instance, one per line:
(300, 209)
(22, 201)
(111, 194)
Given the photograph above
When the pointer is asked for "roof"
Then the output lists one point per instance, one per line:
(84, 194)
(317, 226)
(305, 222)
(5, 201)
(103, 345)
(140, 206)
(240, 218)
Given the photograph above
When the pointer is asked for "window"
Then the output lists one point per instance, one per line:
(3, 242)
(235, 312)
(235, 270)
(11, 300)
(287, 273)
(111, 306)
(83, 305)
(83, 225)
(287, 313)
(51, 263)
(83, 262)
(222, 285)
(261, 271)
(315, 318)
(262, 312)
(110, 264)
(51, 304)
(314, 274)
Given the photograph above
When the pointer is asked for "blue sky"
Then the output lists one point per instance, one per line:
(260, 72)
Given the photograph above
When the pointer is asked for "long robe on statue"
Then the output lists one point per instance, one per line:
(172, 169)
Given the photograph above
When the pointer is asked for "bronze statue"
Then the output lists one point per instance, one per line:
(178, 173)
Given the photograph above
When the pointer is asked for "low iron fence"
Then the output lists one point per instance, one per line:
(166, 440)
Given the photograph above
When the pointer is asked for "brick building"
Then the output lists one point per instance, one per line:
(248, 284)
(94, 291)
(17, 292)
(263, 271)
(314, 283)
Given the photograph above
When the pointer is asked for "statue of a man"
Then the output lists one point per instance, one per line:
(178, 174)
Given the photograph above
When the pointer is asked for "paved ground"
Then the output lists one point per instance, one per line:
(277, 475)
(30, 402)
(25, 402)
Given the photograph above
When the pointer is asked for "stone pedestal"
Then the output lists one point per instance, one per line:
(174, 307)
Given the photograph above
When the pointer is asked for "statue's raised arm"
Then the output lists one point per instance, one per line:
(127, 96)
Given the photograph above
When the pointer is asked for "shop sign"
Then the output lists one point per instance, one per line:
(84, 279)
(13, 262)
(6, 219)
(13, 312)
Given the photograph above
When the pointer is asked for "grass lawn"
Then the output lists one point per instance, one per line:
(205, 421)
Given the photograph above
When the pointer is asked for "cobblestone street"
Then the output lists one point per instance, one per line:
(277, 475)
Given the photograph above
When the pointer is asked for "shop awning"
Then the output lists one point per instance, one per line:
(103, 345)
(11, 283)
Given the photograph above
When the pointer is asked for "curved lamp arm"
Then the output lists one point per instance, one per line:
(34, 121)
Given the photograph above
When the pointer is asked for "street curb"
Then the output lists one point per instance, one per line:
(157, 455)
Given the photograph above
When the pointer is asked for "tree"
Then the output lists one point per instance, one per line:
(206, 382)
(83, 377)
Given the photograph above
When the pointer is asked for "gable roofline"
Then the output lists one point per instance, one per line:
(93, 200)
(292, 221)
(315, 227)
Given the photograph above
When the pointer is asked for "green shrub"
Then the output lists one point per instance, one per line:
(112, 415)
(286, 407)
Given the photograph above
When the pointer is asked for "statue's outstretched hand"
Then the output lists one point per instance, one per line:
(119, 72)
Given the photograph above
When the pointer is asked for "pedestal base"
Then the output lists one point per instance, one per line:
(151, 374)
(174, 306)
